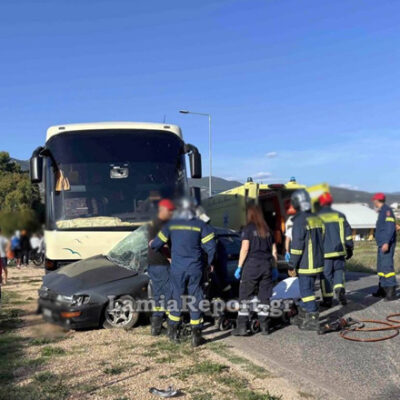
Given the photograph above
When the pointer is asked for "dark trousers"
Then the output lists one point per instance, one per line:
(190, 281)
(385, 267)
(25, 257)
(307, 292)
(333, 276)
(161, 287)
(256, 282)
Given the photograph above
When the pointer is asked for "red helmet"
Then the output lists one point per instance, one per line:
(379, 196)
(168, 204)
(325, 199)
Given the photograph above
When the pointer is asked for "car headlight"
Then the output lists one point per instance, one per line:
(64, 299)
(80, 299)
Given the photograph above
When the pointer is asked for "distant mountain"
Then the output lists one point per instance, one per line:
(218, 185)
(357, 196)
(24, 164)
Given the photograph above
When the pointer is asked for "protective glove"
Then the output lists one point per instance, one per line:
(238, 273)
(349, 252)
(287, 257)
(275, 274)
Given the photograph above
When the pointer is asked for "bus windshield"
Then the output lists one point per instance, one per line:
(111, 179)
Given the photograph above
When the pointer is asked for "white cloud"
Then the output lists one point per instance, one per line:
(272, 154)
(262, 175)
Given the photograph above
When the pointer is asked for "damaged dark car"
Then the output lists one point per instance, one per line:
(104, 290)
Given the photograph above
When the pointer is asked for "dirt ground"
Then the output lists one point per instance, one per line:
(42, 361)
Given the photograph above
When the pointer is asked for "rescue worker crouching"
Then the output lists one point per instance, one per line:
(338, 247)
(255, 270)
(159, 268)
(307, 257)
(385, 236)
(188, 236)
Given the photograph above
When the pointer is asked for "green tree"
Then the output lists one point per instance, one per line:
(19, 199)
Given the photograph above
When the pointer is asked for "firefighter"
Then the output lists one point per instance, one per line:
(385, 235)
(338, 247)
(188, 235)
(307, 258)
(257, 253)
(159, 267)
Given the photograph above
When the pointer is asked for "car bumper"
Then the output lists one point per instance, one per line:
(67, 316)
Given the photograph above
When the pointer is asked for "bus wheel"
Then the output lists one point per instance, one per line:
(120, 313)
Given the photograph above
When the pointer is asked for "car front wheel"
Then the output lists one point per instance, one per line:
(120, 313)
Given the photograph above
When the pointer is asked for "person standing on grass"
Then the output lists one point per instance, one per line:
(15, 246)
(25, 247)
(385, 236)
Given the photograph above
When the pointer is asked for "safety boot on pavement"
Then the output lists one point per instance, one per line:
(299, 317)
(265, 326)
(390, 292)
(326, 303)
(311, 322)
(341, 296)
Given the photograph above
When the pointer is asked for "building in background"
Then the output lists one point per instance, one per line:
(361, 218)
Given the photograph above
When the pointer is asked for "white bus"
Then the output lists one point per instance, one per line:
(103, 180)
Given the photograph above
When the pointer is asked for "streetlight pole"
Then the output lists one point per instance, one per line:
(209, 144)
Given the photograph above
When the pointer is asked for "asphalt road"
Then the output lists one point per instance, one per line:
(327, 365)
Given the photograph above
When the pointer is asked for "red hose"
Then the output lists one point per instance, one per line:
(388, 326)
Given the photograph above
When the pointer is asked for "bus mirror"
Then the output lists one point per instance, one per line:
(195, 193)
(195, 161)
(36, 166)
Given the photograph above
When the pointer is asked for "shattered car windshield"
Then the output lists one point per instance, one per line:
(131, 252)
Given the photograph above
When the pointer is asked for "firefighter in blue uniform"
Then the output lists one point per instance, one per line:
(159, 268)
(385, 236)
(187, 236)
(338, 247)
(307, 257)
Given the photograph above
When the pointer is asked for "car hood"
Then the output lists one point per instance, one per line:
(85, 274)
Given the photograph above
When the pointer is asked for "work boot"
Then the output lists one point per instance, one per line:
(197, 337)
(173, 333)
(390, 292)
(311, 322)
(380, 292)
(264, 326)
(299, 317)
(341, 296)
(326, 303)
(241, 327)
(156, 325)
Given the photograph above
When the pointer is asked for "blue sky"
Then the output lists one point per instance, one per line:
(307, 88)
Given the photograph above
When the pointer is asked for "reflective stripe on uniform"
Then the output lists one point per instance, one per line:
(173, 318)
(310, 270)
(338, 285)
(162, 237)
(388, 275)
(315, 223)
(196, 321)
(208, 238)
(307, 299)
(335, 254)
(390, 219)
(310, 254)
(296, 252)
(323, 290)
(158, 309)
(349, 237)
(184, 228)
